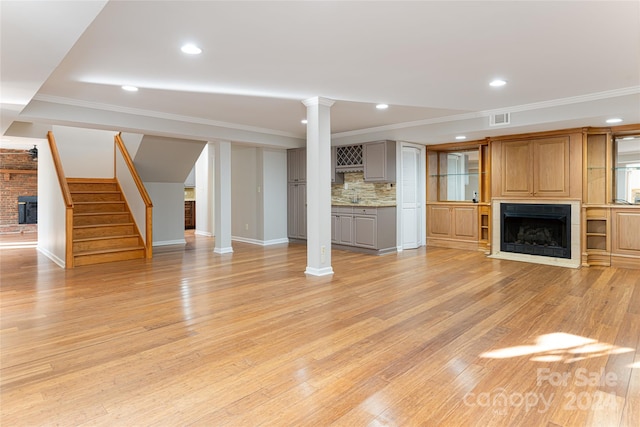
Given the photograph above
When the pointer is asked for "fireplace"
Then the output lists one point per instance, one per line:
(27, 209)
(536, 229)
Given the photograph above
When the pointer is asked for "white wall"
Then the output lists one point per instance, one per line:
(205, 197)
(168, 212)
(259, 195)
(51, 209)
(83, 151)
(244, 189)
(274, 196)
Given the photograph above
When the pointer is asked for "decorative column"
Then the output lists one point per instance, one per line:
(318, 186)
(222, 181)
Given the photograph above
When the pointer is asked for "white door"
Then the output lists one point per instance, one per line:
(411, 210)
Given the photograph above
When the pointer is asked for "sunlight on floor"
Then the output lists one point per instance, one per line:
(559, 346)
(18, 245)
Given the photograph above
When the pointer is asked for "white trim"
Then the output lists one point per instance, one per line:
(223, 251)
(487, 113)
(260, 242)
(319, 271)
(51, 256)
(575, 260)
(203, 233)
(170, 242)
(157, 114)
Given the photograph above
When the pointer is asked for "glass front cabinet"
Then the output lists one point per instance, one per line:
(458, 195)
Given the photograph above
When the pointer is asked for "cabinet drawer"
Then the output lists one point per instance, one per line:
(343, 210)
(365, 211)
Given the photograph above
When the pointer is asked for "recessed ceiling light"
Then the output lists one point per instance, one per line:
(303, 121)
(460, 137)
(130, 88)
(191, 49)
(614, 120)
(497, 83)
(382, 106)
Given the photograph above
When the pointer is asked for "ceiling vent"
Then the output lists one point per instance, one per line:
(499, 119)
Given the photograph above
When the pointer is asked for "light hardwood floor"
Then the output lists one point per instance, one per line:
(434, 337)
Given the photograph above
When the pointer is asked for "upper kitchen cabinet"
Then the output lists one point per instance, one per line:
(297, 165)
(545, 166)
(379, 160)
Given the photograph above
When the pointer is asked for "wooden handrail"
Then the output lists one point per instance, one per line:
(143, 193)
(57, 164)
(68, 201)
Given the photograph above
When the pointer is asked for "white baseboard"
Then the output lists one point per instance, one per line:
(51, 256)
(260, 242)
(170, 242)
(203, 233)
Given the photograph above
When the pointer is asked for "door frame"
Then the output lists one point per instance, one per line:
(422, 185)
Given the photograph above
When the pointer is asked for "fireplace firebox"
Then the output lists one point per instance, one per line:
(536, 229)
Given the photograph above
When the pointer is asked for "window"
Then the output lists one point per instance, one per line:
(626, 175)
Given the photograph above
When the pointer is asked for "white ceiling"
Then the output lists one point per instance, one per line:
(567, 63)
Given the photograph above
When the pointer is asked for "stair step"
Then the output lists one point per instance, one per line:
(105, 242)
(107, 255)
(92, 184)
(103, 230)
(99, 206)
(95, 196)
(101, 218)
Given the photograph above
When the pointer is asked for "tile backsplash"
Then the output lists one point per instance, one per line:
(368, 193)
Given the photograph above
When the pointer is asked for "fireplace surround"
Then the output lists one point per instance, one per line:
(531, 236)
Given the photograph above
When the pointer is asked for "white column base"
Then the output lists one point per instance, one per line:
(223, 251)
(319, 271)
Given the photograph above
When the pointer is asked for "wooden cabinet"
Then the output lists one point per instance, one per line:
(453, 225)
(297, 211)
(189, 214)
(536, 167)
(625, 237)
(458, 174)
(371, 229)
(379, 160)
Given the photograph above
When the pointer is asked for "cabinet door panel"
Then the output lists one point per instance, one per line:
(365, 231)
(465, 221)
(551, 167)
(346, 230)
(625, 229)
(516, 168)
(439, 221)
(375, 161)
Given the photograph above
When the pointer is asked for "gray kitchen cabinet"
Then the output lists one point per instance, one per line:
(368, 229)
(336, 178)
(366, 234)
(379, 160)
(297, 211)
(342, 225)
(297, 165)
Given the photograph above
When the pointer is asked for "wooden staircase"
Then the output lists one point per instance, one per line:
(103, 228)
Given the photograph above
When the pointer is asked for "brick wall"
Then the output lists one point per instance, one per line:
(14, 184)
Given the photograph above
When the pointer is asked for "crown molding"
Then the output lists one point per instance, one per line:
(633, 90)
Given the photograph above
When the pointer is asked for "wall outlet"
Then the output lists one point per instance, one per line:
(322, 254)
(246, 226)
